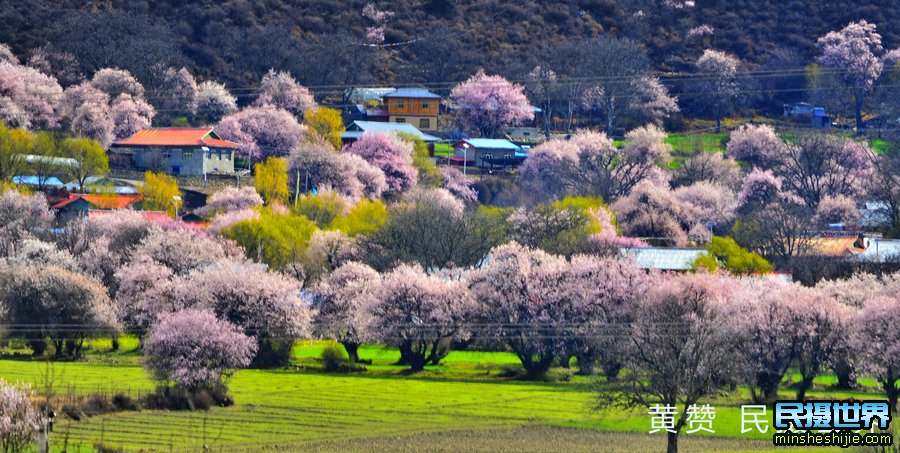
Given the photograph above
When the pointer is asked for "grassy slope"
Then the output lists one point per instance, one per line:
(382, 409)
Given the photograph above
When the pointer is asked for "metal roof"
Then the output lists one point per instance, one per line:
(491, 143)
(358, 128)
(52, 181)
(412, 93)
(664, 258)
(880, 250)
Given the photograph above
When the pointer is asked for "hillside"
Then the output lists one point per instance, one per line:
(445, 40)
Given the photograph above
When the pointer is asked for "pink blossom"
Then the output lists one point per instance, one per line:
(419, 313)
(700, 31)
(214, 101)
(115, 81)
(130, 115)
(228, 218)
(20, 216)
(458, 184)
(194, 350)
(487, 103)
(853, 49)
(389, 153)
(263, 131)
(35, 96)
(705, 201)
(651, 211)
(178, 93)
(20, 420)
(280, 90)
(230, 199)
(345, 302)
(184, 249)
(756, 145)
(837, 209)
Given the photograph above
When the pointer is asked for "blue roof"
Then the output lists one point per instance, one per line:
(358, 128)
(492, 143)
(52, 181)
(412, 93)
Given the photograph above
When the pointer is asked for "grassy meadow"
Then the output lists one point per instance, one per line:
(466, 404)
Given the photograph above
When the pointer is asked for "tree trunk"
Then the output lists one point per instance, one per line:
(672, 442)
(352, 350)
(890, 389)
(806, 383)
(564, 360)
(844, 373)
(611, 370)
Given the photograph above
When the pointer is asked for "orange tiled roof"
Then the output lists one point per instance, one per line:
(176, 136)
(104, 201)
(836, 246)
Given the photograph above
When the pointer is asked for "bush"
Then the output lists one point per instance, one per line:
(124, 402)
(96, 404)
(335, 361)
(175, 399)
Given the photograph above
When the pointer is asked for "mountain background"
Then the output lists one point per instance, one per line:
(438, 42)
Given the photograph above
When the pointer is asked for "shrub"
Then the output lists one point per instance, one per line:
(124, 402)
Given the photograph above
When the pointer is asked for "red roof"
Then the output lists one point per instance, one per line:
(105, 201)
(176, 136)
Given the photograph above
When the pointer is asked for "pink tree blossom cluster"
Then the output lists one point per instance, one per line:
(589, 164)
(111, 106)
(458, 184)
(214, 101)
(345, 300)
(391, 154)
(20, 420)
(29, 99)
(230, 199)
(194, 350)
(379, 19)
(20, 216)
(263, 131)
(281, 91)
(484, 104)
(320, 166)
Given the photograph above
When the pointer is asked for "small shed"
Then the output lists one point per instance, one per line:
(678, 259)
(487, 153)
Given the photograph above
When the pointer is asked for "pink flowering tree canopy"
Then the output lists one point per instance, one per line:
(320, 167)
(262, 131)
(280, 90)
(757, 145)
(421, 314)
(485, 104)
(178, 93)
(130, 115)
(20, 420)
(194, 350)
(114, 82)
(231, 199)
(389, 153)
(345, 302)
(31, 98)
(214, 101)
(589, 164)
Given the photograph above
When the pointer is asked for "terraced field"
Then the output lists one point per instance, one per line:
(462, 405)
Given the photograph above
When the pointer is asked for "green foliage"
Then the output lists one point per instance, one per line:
(429, 174)
(89, 156)
(707, 262)
(325, 123)
(160, 193)
(726, 253)
(271, 180)
(584, 205)
(322, 208)
(363, 219)
(274, 239)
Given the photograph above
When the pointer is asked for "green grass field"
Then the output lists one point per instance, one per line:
(462, 405)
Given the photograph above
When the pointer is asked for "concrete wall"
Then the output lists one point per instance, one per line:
(181, 161)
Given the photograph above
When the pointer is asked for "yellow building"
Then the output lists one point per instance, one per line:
(416, 106)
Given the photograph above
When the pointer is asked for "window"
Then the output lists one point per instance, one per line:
(424, 123)
(487, 156)
(526, 134)
(167, 154)
(209, 154)
(425, 105)
(507, 156)
(399, 104)
(400, 120)
(219, 154)
(227, 155)
(188, 155)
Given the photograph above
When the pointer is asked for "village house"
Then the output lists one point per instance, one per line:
(359, 128)
(176, 151)
(78, 205)
(416, 106)
(487, 153)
